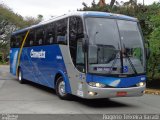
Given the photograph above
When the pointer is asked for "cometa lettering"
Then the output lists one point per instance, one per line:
(38, 54)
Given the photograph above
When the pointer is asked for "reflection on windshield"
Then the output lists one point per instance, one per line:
(110, 40)
(102, 54)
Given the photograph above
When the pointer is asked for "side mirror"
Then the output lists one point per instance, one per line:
(147, 50)
(85, 43)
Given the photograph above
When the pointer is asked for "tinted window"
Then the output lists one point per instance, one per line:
(30, 39)
(50, 34)
(13, 42)
(62, 31)
(19, 39)
(39, 37)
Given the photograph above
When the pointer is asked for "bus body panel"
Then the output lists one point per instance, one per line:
(112, 92)
(13, 60)
(75, 77)
(39, 68)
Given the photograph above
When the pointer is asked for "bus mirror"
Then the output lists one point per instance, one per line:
(85, 42)
(93, 54)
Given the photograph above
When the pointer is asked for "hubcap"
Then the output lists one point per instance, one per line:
(61, 88)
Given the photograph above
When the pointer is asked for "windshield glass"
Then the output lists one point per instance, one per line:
(115, 47)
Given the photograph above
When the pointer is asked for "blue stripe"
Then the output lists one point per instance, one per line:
(110, 15)
(121, 82)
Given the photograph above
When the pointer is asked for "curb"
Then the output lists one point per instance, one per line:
(152, 91)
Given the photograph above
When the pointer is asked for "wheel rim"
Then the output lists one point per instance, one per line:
(20, 76)
(61, 88)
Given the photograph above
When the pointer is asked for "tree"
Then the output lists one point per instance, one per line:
(154, 39)
(94, 3)
(39, 18)
(112, 3)
(9, 22)
(6, 28)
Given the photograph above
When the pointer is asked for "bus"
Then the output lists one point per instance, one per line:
(87, 54)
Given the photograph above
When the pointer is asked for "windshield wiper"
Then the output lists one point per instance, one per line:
(130, 62)
(114, 62)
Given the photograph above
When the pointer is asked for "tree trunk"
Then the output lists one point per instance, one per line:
(4, 55)
(153, 69)
(112, 3)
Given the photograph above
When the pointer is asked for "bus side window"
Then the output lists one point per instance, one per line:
(50, 34)
(75, 42)
(39, 36)
(13, 42)
(16, 40)
(31, 38)
(26, 44)
(19, 40)
(62, 31)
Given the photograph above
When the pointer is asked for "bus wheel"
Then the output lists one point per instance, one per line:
(20, 76)
(60, 89)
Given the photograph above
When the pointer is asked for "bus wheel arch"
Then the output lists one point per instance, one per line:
(56, 78)
(59, 85)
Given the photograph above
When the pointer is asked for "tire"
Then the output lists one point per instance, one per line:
(20, 77)
(60, 89)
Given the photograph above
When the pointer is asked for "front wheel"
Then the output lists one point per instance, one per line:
(20, 76)
(60, 89)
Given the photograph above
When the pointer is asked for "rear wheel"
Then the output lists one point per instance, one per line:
(20, 76)
(60, 89)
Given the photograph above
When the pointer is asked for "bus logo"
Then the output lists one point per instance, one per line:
(38, 54)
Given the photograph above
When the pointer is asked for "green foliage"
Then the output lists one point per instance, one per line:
(7, 14)
(9, 22)
(155, 46)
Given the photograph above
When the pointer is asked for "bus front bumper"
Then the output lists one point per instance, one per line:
(93, 92)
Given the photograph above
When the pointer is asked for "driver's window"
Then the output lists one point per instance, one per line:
(75, 42)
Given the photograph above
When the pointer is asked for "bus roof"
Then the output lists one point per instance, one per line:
(82, 14)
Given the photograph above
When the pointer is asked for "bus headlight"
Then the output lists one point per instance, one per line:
(140, 84)
(95, 84)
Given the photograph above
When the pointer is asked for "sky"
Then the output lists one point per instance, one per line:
(49, 8)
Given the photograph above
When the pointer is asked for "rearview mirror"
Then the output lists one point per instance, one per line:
(93, 54)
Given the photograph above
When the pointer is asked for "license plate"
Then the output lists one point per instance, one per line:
(120, 94)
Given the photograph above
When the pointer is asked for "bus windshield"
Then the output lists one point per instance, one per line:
(115, 47)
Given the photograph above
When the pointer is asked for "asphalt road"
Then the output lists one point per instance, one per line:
(31, 98)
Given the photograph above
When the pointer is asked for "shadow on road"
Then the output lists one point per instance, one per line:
(100, 103)
(38, 86)
(94, 103)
